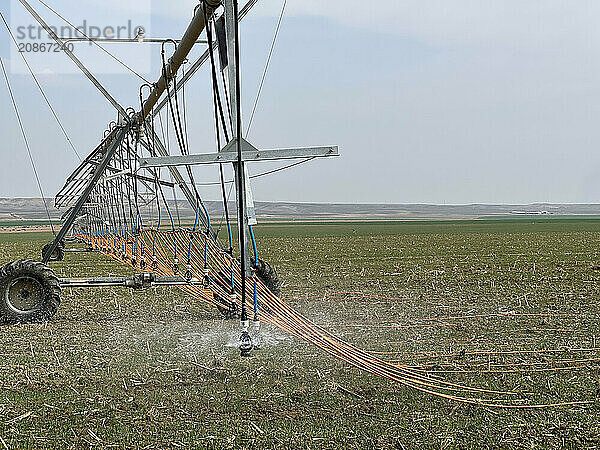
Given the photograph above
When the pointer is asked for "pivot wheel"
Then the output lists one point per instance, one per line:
(265, 272)
(268, 275)
(228, 312)
(57, 255)
(29, 292)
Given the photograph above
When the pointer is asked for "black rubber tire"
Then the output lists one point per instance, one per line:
(59, 252)
(268, 275)
(29, 292)
(228, 313)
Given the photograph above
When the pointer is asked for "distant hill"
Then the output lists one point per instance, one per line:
(15, 209)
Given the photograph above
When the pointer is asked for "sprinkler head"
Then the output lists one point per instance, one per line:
(246, 344)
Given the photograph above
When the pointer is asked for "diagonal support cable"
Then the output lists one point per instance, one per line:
(74, 58)
(40, 88)
(264, 75)
(86, 37)
(37, 178)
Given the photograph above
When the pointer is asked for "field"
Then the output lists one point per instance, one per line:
(500, 304)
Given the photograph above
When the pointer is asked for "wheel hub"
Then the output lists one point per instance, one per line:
(24, 294)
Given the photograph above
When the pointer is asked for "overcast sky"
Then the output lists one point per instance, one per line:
(430, 101)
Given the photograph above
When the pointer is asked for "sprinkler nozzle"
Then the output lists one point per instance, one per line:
(246, 344)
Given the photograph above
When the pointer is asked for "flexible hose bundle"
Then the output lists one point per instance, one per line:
(205, 253)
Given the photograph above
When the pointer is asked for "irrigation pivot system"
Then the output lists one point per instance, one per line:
(117, 198)
(121, 201)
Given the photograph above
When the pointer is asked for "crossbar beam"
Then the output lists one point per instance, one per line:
(247, 156)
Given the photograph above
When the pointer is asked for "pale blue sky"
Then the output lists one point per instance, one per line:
(430, 101)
